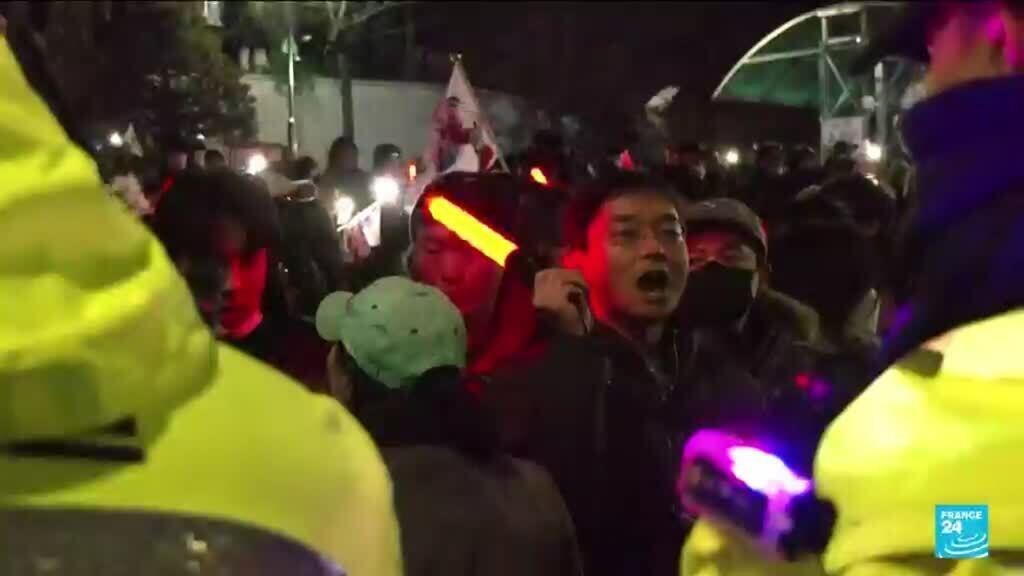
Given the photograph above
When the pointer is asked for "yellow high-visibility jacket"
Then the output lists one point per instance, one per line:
(911, 441)
(96, 328)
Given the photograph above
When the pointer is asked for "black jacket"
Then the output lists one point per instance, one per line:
(311, 250)
(609, 425)
(964, 253)
(464, 507)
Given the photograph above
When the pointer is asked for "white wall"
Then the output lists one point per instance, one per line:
(395, 112)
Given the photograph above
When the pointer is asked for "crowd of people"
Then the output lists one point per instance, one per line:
(204, 376)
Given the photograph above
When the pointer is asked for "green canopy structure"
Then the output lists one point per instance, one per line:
(805, 63)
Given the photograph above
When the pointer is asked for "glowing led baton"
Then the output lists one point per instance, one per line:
(469, 229)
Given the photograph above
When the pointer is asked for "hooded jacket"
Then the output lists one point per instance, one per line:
(130, 440)
(942, 425)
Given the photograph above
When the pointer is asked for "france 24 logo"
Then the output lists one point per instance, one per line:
(961, 531)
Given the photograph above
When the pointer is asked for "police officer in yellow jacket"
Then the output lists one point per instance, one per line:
(131, 442)
(944, 425)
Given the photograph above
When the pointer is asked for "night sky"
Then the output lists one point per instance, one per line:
(600, 60)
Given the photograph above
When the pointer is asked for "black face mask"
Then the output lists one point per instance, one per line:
(716, 296)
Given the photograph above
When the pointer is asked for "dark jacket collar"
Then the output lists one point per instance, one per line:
(966, 241)
(967, 144)
(673, 341)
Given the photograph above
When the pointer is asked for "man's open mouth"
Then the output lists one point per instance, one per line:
(653, 281)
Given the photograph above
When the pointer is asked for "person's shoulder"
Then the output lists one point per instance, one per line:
(308, 451)
(559, 356)
(316, 420)
(788, 313)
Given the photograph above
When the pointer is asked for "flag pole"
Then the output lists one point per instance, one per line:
(456, 60)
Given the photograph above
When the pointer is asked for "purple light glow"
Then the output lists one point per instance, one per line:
(765, 472)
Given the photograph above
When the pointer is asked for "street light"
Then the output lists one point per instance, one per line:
(115, 140)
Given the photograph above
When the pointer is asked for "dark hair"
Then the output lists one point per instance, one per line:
(340, 143)
(588, 199)
(184, 222)
(437, 408)
(384, 153)
(867, 199)
(303, 168)
(799, 154)
(841, 148)
(840, 165)
(768, 151)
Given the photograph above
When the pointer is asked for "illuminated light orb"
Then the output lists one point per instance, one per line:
(732, 157)
(873, 152)
(385, 190)
(344, 209)
(257, 163)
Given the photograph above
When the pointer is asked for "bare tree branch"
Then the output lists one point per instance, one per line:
(371, 12)
(335, 19)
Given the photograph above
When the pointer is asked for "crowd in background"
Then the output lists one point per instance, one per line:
(746, 296)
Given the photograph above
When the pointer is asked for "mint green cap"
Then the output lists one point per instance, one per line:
(395, 329)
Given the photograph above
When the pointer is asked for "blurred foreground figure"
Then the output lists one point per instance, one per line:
(944, 422)
(222, 220)
(131, 442)
(463, 507)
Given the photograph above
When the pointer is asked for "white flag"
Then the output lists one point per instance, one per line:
(132, 141)
(461, 138)
(365, 226)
